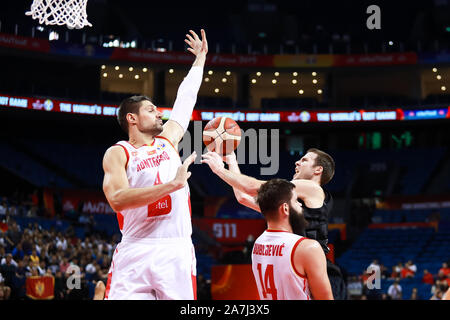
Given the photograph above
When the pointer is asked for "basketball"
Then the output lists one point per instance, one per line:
(222, 135)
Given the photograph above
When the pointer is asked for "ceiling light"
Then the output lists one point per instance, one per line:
(216, 90)
(253, 80)
(136, 76)
(145, 69)
(228, 73)
(314, 73)
(300, 91)
(274, 81)
(120, 76)
(171, 70)
(314, 81)
(206, 79)
(210, 72)
(294, 74)
(258, 74)
(130, 68)
(294, 81)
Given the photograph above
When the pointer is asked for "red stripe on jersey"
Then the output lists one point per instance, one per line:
(108, 285)
(120, 220)
(126, 152)
(189, 203)
(194, 285)
(304, 289)
(144, 145)
(292, 258)
(273, 230)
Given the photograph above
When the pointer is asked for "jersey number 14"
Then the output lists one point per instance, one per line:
(268, 282)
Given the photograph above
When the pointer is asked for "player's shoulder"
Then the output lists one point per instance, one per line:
(116, 152)
(308, 245)
(306, 184)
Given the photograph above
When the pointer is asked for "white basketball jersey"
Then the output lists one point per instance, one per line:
(168, 217)
(273, 269)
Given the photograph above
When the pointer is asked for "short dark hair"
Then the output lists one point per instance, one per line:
(129, 105)
(326, 162)
(272, 194)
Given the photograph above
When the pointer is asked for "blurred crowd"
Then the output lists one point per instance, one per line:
(34, 251)
(358, 286)
(29, 251)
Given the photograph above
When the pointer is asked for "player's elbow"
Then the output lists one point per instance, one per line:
(116, 203)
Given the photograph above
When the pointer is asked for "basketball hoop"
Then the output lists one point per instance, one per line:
(60, 12)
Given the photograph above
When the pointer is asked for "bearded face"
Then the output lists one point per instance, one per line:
(297, 221)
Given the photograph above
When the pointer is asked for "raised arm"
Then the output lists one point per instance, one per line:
(236, 180)
(118, 192)
(310, 260)
(180, 116)
(241, 197)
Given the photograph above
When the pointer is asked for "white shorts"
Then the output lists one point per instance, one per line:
(153, 269)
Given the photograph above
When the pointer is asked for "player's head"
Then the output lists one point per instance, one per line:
(139, 113)
(278, 203)
(315, 165)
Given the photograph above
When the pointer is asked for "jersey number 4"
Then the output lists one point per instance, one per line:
(268, 285)
(162, 206)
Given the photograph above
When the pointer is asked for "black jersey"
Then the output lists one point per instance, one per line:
(317, 218)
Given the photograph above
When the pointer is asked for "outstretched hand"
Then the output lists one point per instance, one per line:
(182, 173)
(214, 161)
(197, 46)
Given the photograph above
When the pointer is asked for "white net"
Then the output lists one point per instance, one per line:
(60, 12)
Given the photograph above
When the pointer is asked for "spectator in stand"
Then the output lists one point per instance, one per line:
(439, 285)
(60, 286)
(396, 270)
(34, 258)
(443, 278)
(41, 268)
(5, 291)
(64, 265)
(375, 266)
(395, 290)
(18, 252)
(427, 277)
(3, 208)
(384, 271)
(20, 281)
(385, 296)
(354, 287)
(406, 272)
(411, 266)
(13, 235)
(445, 269)
(27, 244)
(437, 295)
(414, 294)
(8, 270)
